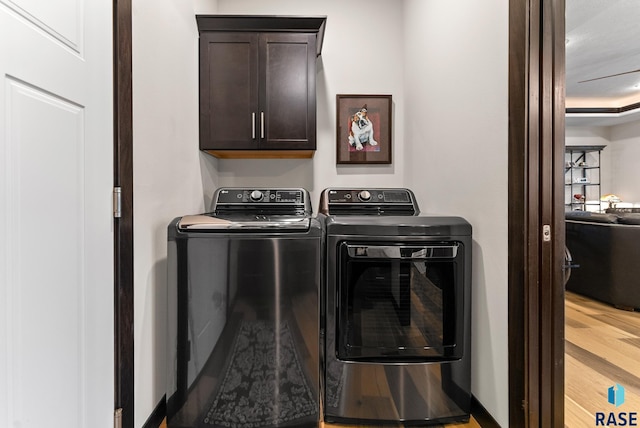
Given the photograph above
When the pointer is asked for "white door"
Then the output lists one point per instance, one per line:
(56, 232)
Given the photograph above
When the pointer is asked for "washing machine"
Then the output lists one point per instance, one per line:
(396, 302)
(243, 312)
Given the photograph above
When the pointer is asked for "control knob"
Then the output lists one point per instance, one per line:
(256, 195)
(364, 195)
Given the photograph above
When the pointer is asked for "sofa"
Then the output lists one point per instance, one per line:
(606, 246)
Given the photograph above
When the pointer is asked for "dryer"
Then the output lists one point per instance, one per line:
(396, 310)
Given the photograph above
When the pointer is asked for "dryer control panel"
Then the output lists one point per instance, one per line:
(379, 200)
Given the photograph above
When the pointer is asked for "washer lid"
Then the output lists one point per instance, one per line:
(244, 222)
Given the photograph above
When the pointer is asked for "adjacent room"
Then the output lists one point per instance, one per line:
(602, 203)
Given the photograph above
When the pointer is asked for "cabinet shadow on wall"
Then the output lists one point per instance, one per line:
(265, 172)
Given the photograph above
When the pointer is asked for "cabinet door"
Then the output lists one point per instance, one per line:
(287, 91)
(228, 91)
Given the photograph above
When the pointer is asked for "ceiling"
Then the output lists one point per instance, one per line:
(602, 39)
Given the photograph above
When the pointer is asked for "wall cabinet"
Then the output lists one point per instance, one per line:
(258, 85)
(582, 178)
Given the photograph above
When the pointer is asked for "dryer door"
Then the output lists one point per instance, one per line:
(400, 302)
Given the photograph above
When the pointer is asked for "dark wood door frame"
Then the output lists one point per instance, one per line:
(123, 226)
(536, 150)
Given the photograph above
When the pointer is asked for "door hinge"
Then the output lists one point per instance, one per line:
(117, 418)
(117, 202)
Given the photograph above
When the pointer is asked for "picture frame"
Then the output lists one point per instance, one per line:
(363, 129)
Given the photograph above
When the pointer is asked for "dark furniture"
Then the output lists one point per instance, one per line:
(257, 85)
(606, 248)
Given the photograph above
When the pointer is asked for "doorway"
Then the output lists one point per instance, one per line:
(602, 110)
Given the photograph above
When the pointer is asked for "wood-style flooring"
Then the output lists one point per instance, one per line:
(471, 424)
(602, 348)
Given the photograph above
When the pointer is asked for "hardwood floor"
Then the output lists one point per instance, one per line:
(602, 348)
(472, 424)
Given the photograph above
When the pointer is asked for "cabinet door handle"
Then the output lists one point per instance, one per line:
(253, 125)
(261, 124)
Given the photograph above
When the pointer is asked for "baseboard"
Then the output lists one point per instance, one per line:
(158, 414)
(481, 415)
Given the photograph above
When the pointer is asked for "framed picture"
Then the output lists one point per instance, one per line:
(363, 129)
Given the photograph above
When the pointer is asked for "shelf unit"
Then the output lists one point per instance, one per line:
(582, 177)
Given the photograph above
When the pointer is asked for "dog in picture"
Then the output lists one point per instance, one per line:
(361, 131)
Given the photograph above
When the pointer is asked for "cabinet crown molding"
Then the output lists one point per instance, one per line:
(265, 23)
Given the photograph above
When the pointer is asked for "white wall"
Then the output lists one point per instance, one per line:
(169, 173)
(340, 71)
(625, 156)
(619, 159)
(456, 104)
(595, 136)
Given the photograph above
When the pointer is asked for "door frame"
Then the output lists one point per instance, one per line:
(123, 226)
(536, 147)
(536, 153)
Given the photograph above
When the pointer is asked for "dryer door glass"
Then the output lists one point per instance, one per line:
(400, 302)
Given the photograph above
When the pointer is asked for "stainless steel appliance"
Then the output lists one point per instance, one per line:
(396, 330)
(243, 293)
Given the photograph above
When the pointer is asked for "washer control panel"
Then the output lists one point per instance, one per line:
(265, 196)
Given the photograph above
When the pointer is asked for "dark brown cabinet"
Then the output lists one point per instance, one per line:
(257, 88)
